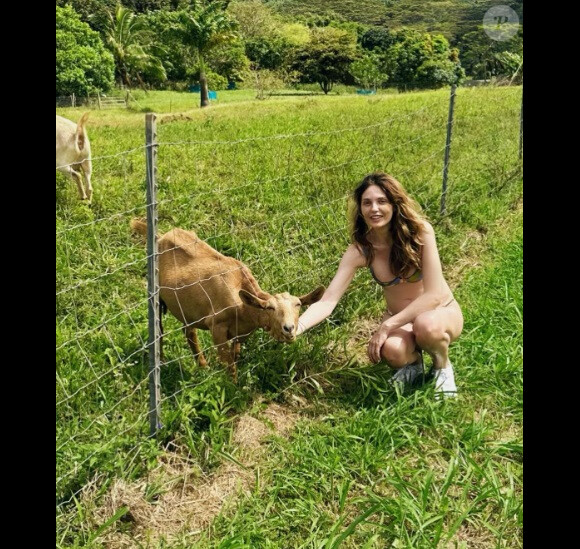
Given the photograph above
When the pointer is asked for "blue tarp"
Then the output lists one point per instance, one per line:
(197, 89)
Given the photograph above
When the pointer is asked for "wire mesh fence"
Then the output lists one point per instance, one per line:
(274, 200)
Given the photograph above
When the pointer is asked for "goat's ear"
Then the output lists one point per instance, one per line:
(313, 296)
(252, 300)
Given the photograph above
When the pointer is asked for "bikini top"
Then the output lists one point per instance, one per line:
(415, 277)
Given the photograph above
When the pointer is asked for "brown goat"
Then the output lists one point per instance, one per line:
(73, 153)
(207, 290)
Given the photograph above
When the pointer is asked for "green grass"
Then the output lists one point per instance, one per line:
(428, 473)
(414, 472)
(176, 101)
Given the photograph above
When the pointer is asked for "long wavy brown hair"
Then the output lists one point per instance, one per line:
(406, 224)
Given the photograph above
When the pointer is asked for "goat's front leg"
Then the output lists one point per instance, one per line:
(225, 348)
(161, 357)
(87, 169)
(235, 353)
(78, 178)
(191, 335)
(237, 349)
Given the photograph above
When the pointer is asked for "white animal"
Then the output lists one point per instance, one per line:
(73, 153)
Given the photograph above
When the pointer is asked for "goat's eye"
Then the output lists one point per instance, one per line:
(298, 304)
(270, 308)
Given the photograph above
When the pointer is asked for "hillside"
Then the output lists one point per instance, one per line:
(449, 17)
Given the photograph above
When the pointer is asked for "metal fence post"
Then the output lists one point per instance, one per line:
(442, 210)
(154, 345)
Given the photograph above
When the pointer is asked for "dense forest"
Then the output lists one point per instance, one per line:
(176, 44)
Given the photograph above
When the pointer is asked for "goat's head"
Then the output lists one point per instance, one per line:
(281, 311)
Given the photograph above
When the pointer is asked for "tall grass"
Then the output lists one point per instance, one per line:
(267, 182)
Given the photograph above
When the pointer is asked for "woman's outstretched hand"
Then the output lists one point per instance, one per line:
(376, 343)
(300, 330)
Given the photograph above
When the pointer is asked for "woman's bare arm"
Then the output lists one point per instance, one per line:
(317, 312)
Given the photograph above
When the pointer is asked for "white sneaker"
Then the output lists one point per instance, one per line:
(445, 382)
(409, 373)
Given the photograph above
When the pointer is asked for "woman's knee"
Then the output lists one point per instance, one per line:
(395, 353)
(429, 329)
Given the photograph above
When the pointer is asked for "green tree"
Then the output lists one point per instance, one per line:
(229, 60)
(366, 71)
(173, 54)
(377, 38)
(267, 53)
(259, 28)
(131, 44)
(323, 18)
(143, 6)
(511, 65)
(93, 12)
(255, 19)
(479, 53)
(434, 73)
(327, 57)
(422, 60)
(83, 65)
(294, 34)
(201, 27)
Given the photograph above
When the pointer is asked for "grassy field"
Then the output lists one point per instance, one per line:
(312, 448)
(177, 101)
